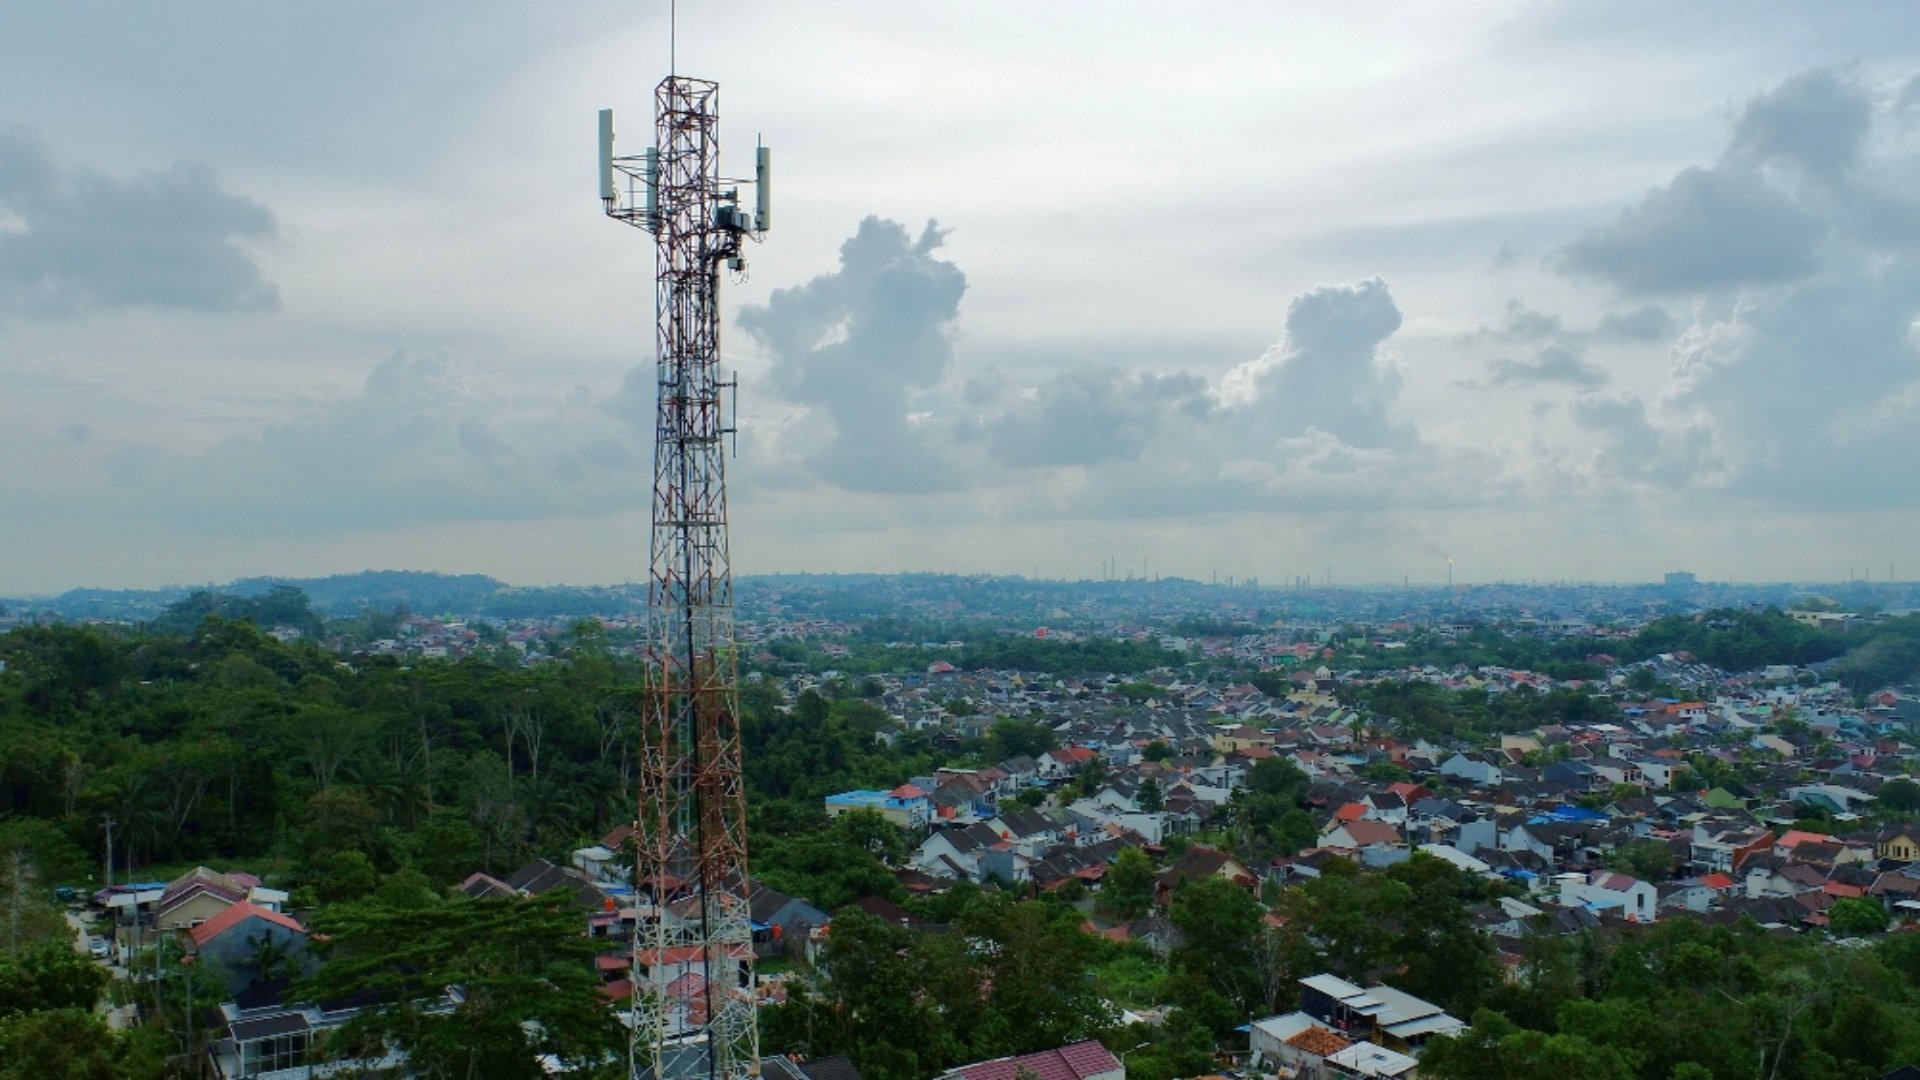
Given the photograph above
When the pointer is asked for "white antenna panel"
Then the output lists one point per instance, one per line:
(652, 170)
(607, 192)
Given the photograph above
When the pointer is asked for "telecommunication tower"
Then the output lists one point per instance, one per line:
(693, 1014)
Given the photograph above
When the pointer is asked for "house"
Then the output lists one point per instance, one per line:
(1064, 761)
(1660, 773)
(778, 919)
(262, 1038)
(1473, 768)
(1555, 843)
(1296, 1041)
(1086, 1060)
(1379, 1013)
(1364, 837)
(1833, 798)
(1200, 862)
(1458, 859)
(597, 862)
(1900, 843)
(1608, 891)
(540, 878)
(1030, 832)
(1612, 771)
(1725, 848)
(906, 806)
(481, 885)
(1385, 806)
(249, 943)
(200, 894)
(1696, 894)
(1574, 773)
(955, 853)
(1020, 771)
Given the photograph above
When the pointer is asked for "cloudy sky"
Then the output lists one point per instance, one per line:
(1582, 292)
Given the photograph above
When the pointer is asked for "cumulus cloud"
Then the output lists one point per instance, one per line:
(426, 438)
(1328, 374)
(1092, 416)
(1708, 229)
(1907, 103)
(1647, 323)
(1814, 396)
(1550, 364)
(1634, 447)
(1798, 380)
(867, 352)
(1817, 121)
(859, 347)
(1760, 215)
(74, 240)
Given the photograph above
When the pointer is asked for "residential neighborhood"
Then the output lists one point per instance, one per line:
(1289, 774)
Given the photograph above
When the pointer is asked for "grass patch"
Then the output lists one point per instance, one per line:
(1132, 981)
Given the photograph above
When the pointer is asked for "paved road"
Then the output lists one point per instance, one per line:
(80, 934)
(118, 1017)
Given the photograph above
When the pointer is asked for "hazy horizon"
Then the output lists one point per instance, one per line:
(1409, 584)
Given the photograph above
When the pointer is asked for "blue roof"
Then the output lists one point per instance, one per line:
(870, 799)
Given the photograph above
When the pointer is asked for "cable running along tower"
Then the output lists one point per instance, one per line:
(693, 1011)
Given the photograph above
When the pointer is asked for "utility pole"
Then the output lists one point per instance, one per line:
(107, 821)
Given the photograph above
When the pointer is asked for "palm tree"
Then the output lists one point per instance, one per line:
(270, 957)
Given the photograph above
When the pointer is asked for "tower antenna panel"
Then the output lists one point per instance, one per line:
(607, 191)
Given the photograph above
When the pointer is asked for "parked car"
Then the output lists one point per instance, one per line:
(97, 948)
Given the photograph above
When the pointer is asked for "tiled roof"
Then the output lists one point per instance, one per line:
(236, 914)
(1075, 1062)
(1320, 1041)
(201, 880)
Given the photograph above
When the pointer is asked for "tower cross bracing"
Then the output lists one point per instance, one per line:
(692, 979)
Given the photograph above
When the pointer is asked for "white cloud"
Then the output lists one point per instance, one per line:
(427, 438)
(1328, 375)
(1800, 391)
(80, 241)
(858, 346)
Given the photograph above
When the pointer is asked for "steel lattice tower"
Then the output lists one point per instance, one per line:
(693, 950)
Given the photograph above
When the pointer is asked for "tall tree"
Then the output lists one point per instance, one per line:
(522, 972)
(1127, 890)
(1219, 954)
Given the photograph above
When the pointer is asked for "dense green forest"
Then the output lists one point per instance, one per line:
(227, 745)
(1426, 710)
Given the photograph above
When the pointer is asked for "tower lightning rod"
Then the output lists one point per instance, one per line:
(692, 952)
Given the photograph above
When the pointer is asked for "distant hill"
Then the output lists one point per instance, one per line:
(341, 595)
(419, 590)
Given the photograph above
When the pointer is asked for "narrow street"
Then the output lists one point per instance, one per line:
(118, 1016)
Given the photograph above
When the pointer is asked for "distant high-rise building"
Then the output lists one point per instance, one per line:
(1681, 579)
